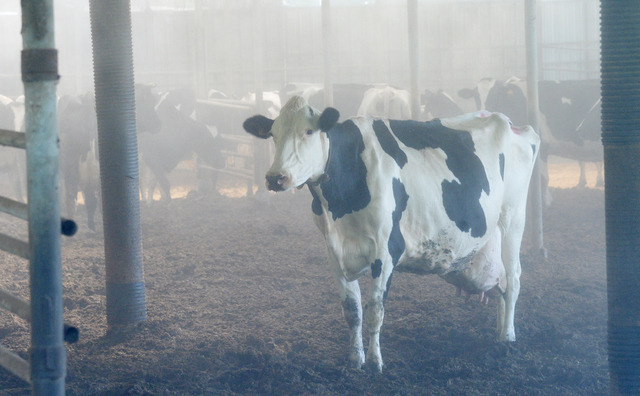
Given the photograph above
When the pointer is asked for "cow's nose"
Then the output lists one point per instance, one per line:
(276, 182)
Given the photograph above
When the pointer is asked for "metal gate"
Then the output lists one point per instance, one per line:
(45, 369)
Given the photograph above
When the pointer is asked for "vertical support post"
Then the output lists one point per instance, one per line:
(620, 69)
(40, 76)
(260, 146)
(414, 58)
(534, 203)
(326, 53)
(118, 147)
(200, 55)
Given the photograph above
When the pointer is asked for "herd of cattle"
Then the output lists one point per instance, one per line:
(173, 126)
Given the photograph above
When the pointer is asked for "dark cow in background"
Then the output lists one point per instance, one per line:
(178, 137)
(444, 197)
(79, 166)
(13, 161)
(570, 116)
(439, 105)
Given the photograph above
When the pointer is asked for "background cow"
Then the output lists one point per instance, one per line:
(79, 166)
(178, 138)
(439, 105)
(386, 102)
(445, 197)
(570, 116)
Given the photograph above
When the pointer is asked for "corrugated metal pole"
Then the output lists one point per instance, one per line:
(118, 147)
(534, 205)
(414, 58)
(40, 76)
(620, 68)
(326, 53)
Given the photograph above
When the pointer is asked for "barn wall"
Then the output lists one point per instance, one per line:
(461, 42)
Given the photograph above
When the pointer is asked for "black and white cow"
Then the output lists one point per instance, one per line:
(442, 197)
(385, 101)
(439, 105)
(570, 116)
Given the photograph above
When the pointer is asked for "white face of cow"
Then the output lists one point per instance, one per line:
(301, 147)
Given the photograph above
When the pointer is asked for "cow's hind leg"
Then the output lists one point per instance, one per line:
(582, 182)
(352, 311)
(511, 240)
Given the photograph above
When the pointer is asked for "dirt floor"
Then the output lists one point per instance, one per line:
(240, 301)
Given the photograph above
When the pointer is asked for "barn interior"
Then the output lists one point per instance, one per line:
(239, 298)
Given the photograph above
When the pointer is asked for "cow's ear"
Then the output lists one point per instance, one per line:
(258, 126)
(328, 119)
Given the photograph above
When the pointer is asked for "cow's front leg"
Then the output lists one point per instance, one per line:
(352, 310)
(374, 315)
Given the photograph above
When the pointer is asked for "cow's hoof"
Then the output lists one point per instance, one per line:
(374, 366)
(507, 337)
(356, 360)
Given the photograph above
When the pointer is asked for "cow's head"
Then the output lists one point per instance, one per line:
(301, 147)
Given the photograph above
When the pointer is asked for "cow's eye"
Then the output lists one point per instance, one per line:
(309, 132)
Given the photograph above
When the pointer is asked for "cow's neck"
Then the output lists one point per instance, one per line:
(344, 183)
(326, 154)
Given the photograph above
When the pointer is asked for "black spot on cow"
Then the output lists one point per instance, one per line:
(461, 198)
(376, 268)
(346, 189)
(350, 307)
(396, 243)
(388, 143)
(501, 159)
(316, 206)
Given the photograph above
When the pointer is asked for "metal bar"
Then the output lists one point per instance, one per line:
(47, 354)
(414, 57)
(327, 41)
(15, 304)
(235, 154)
(14, 246)
(22, 309)
(14, 208)
(236, 174)
(12, 139)
(15, 364)
(535, 196)
(240, 106)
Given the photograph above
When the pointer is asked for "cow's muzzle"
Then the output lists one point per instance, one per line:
(276, 182)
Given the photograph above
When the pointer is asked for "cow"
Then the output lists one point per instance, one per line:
(443, 197)
(570, 117)
(385, 101)
(179, 137)
(347, 98)
(439, 105)
(79, 167)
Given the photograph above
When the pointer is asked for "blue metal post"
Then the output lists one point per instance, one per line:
(40, 76)
(620, 68)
